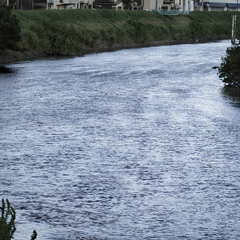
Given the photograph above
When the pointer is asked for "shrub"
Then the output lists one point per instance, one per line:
(229, 69)
(9, 29)
(29, 40)
(7, 221)
(63, 39)
(121, 35)
(127, 4)
(110, 35)
(141, 30)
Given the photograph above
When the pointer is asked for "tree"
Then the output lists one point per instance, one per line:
(127, 4)
(7, 221)
(229, 69)
(9, 29)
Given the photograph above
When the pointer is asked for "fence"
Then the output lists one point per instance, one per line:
(172, 12)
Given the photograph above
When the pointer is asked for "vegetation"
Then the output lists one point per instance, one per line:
(127, 4)
(210, 24)
(9, 29)
(73, 32)
(229, 70)
(7, 222)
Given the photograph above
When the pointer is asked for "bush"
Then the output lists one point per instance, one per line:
(9, 29)
(229, 69)
(63, 40)
(29, 40)
(127, 4)
(141, 30)
(7, 221)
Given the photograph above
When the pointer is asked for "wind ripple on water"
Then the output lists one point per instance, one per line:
(134, 144)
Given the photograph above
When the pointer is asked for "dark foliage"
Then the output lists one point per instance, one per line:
(7, 221)
(140, 31)
(127, 4)
(9, 29)
(63, 39)
(229, 70)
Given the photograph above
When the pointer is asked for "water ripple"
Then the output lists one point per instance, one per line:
(121, 146)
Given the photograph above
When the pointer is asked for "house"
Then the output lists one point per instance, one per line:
(152, 5)
(148, 5)
(110, 4)
(28, 4)
(220, 5)
(72, 4)
(49, 4)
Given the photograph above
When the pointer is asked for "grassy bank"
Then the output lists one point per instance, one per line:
(73, 32)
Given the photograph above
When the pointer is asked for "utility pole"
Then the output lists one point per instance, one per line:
(234, 20)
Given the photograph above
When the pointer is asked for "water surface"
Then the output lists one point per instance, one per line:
(134, 144)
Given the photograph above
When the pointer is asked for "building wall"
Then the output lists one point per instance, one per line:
(118, 7)
(26, 4)
(30, 4)
(152, 4)
(71, 4)
(224, 3)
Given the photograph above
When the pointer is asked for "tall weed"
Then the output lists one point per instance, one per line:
(29, 40)
(70, 32)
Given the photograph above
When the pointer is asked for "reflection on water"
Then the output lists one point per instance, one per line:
(133, 144)
(232, 94)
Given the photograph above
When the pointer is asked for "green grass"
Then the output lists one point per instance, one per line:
(71, 32)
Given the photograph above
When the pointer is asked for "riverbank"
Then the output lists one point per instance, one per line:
(77, 32)
(18, 56)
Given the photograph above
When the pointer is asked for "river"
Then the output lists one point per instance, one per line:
(133, 144)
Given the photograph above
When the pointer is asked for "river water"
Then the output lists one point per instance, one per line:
(133, 144)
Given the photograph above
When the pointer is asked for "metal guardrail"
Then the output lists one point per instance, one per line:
(172, 12)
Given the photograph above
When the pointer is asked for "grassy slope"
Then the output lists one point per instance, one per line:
(87, 18)
(71, 32)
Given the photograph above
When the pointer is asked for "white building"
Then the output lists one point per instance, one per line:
(220, 5)
(151, 5)
(71, 4)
